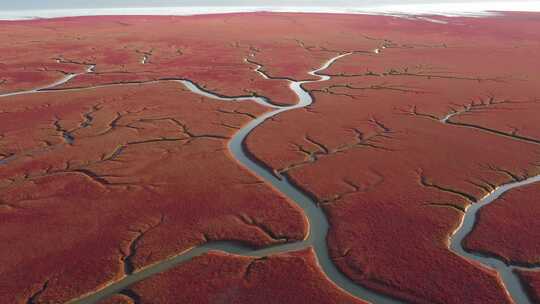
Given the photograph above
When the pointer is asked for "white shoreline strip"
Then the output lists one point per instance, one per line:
(454, 9)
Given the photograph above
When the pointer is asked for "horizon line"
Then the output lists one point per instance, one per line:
(461, 9)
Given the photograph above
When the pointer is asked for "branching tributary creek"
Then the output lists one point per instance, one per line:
(318, 223)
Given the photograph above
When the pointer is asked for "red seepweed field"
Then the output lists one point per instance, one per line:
(117, 159)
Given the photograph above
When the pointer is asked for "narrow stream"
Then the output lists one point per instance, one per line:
(68, 77)
(509, 278)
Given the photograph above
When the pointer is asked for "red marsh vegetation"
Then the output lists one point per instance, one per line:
(420, 121)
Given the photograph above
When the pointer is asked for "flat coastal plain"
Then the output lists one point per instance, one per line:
(270, 158)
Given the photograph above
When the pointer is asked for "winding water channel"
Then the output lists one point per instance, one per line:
(318, 223)
(509, 278)
(506, 272)
(51, 86)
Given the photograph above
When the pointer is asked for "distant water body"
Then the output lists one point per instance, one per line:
(29, 9)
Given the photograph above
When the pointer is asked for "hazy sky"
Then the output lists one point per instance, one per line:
(54, 4)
